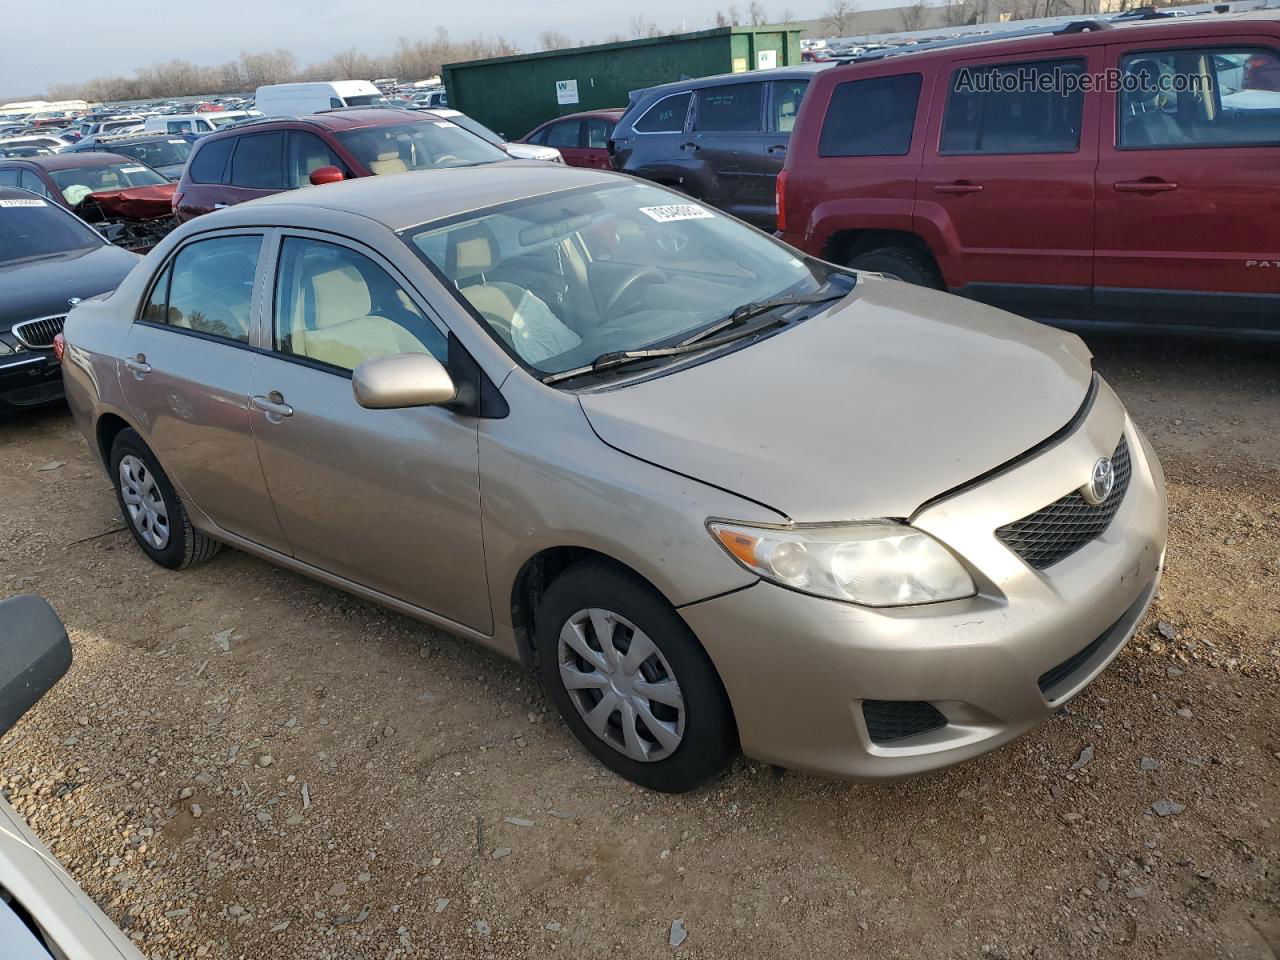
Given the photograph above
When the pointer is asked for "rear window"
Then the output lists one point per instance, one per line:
(1014, 108)
(665, 116)
(31, 227)
(258, 162)
(871, 118)
(210, 161)
(733, 108)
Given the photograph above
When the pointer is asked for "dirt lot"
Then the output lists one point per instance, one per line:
(343, 782)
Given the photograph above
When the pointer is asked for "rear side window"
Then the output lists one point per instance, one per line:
(564, 134)
(258, 162)
(1014, 108)
(208, 288)
(178, 126)
(598, 133)
(871, 118)
(787, 95)
(733, 108)
(1224, 97)
(665, 116)
(210, 161)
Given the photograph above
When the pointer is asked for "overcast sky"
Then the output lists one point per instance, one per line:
(68, 41)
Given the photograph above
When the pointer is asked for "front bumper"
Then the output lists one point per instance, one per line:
(29, 379)
(799, 670)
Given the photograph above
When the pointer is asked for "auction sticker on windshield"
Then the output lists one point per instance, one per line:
(34, 202)
(133, 169)
(677, 211)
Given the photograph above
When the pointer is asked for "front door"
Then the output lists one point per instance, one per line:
(389, 499)
(186, 373)
(728, 131)
(566, 136)
(1188, 231)
(1008, 174)
(595, 150)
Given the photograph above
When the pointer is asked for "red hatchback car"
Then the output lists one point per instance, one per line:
(1123, 178)
(257, 158)
(581, 138)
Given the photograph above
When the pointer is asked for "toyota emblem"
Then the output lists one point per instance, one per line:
(1101, 483)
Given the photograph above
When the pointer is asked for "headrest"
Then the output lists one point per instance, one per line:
(471, 251)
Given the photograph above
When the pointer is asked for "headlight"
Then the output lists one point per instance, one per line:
(874, 564)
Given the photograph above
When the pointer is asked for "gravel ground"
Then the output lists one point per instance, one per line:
(245, 764)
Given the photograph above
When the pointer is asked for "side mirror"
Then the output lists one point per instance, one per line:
(34, 654)
(322, 175)
(405, 380)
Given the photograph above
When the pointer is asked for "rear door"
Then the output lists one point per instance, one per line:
(1006, 186)
(202, 188)
(729, 138)
(188, 359)
(257, 167)
(784, 103)
(1189, 185)
(596, 132)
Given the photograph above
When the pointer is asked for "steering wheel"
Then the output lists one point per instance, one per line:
(447, 157)
(638, 275)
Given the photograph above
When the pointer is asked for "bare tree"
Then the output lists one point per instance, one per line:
(553, 40)
(757, 13)
(734, 17)
(786, 16)
(642, 26)
(839, 17)
(913, 15)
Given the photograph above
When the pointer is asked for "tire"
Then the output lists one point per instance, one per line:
(686, 744)
(899, 263)
(151, 509)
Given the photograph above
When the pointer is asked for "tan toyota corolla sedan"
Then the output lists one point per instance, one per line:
(715, 492)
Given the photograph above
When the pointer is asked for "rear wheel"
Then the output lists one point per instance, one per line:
(155, 516)
(900, 263)
(631, 680)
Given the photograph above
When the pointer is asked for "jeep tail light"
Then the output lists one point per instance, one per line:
(59, 346)
(782, 201)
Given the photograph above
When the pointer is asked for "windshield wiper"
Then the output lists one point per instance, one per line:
(731, 328)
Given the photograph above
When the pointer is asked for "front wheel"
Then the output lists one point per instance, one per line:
(631, 680)
(899, 263)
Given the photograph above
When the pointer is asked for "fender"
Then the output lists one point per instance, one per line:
(936, 228)
(830, 217)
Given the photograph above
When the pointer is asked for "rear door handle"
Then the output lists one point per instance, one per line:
(778, 148)
(959, 187)
(1144, 186)
(138, 365)
(273, 406)
(689, 146)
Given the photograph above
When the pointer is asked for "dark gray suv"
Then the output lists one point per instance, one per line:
(720, 139)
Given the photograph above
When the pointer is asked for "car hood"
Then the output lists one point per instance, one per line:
(41, 288)
(892, 397)
(131, 203)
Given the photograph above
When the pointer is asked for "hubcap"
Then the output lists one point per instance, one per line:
(621, 684)
(143, 502)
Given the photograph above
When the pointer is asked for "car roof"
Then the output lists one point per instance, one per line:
(797, 72)
(408, 199)
(345, 118)
(1015, 41)
(612, 113)
(72, 161)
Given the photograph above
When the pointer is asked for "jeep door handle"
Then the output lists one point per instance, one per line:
(778, 148)
(273, 406)
(960, 187)
(1144, 186)
(138, 365)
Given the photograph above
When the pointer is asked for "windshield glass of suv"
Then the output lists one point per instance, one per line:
(366, 100)
(31, 227)
(565, 278)
(157, 153)
(78, 184)
(422, 145)
(479, 129)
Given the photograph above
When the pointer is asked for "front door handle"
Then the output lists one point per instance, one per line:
(960, 187)
(1153, 185)
(778, 148)
(138, 365)
(690, 146)
(273, 406)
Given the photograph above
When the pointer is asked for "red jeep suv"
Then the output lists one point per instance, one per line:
(256, 158)
(1122, 178)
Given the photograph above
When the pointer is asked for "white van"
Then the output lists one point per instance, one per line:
(299, 99)
(197, 123)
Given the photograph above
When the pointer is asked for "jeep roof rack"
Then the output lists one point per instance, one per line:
(1088, 25)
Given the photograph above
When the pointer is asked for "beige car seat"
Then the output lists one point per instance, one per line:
(389, 161)
(470, 255)
(344, 332)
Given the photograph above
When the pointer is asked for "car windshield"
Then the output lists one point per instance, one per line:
(479, 129)
(156, 153)
(33, 227)
(366, 100)
(78, 183)
(565, 278)
(421, 145)
(221, 120)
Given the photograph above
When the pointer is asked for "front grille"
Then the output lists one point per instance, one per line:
(38, 334)
(889, 720)
(1055, 532)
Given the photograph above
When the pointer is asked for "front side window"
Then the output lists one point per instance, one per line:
(1014, 108)
(308, 153)
(565, 134)
(665, 116)
(871, 118)
(29, 180)
(420, 145)
(178, 126)
(787, 95)
(78, 183)
(561, 279)
(1227, 97)
(208, 288)
(731, 108)
(31, 227)
(338, 307)
(258, 162)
